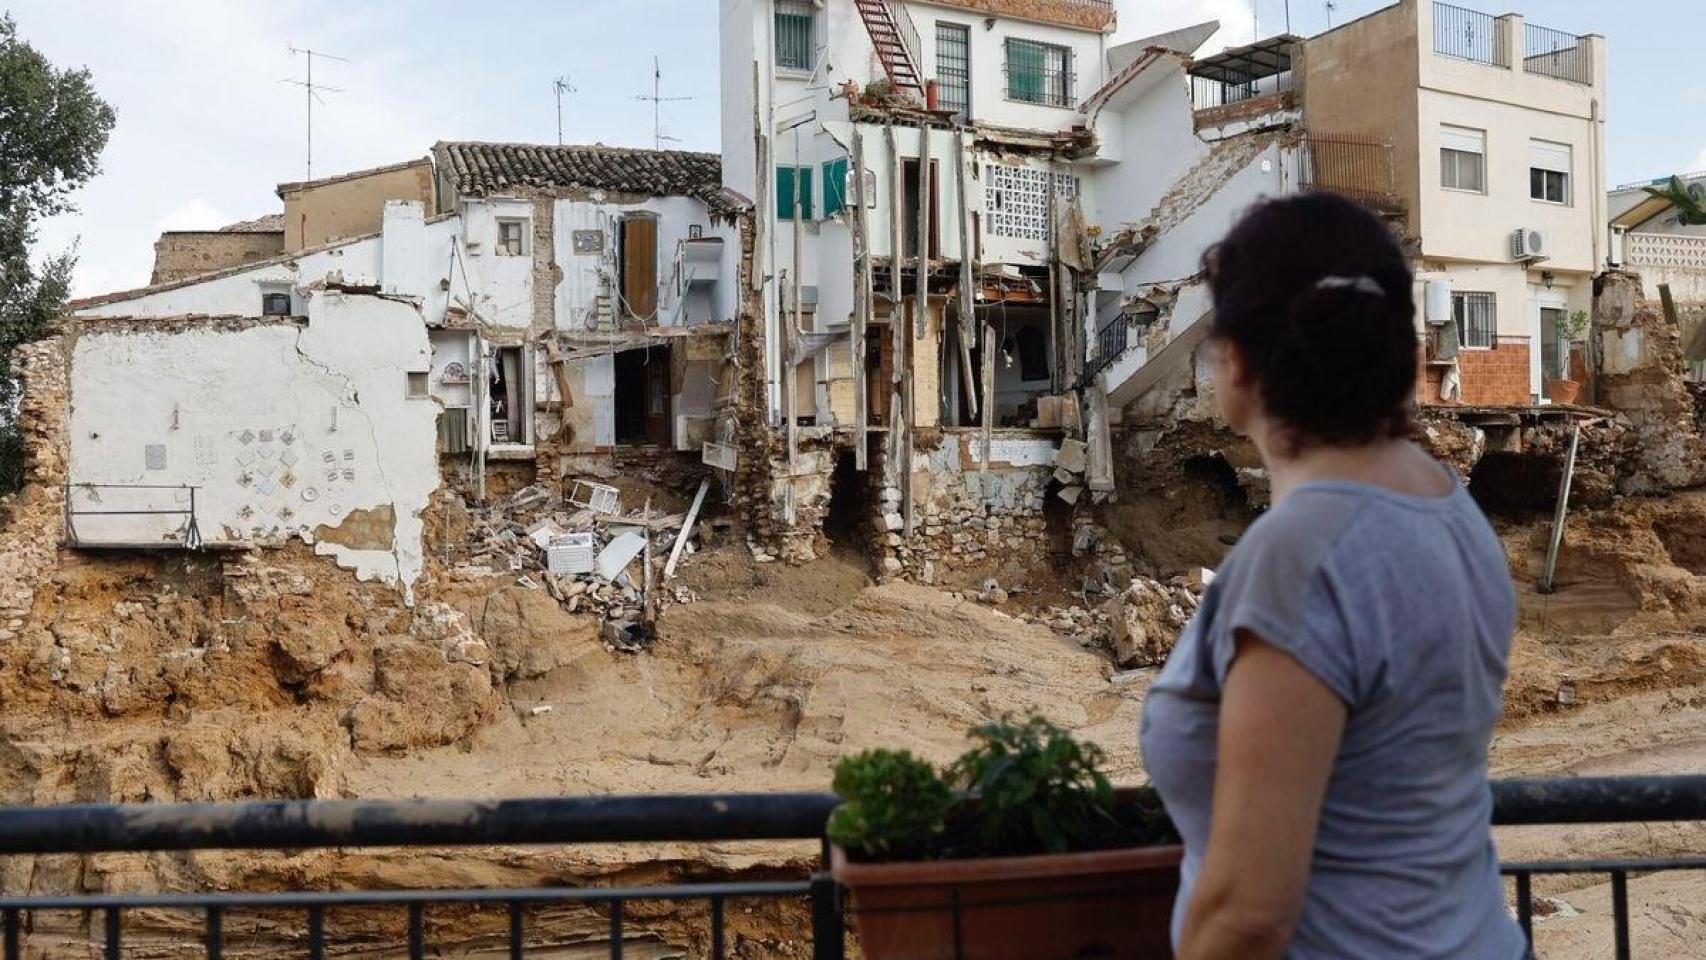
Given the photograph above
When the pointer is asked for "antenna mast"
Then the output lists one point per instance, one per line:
(561, 85)
(312, 91)
(658, 100)
(1331, 6)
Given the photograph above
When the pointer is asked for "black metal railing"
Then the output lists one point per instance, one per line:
(133, 501)
(1039, 73)
(303, 825)
(1554, 53)
(1470, 35)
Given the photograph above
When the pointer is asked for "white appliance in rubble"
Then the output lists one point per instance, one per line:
(571, 553)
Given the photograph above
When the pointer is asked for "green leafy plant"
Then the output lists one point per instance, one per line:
(1689, 199)
(1024, 787)
(893, 806)
(1575, 328)
(1037, 789)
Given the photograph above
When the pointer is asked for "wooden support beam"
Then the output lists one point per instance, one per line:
(987, 440)
(686, 530)
(1548, 578)
(862, 294)
(968, 292)
(921, 283)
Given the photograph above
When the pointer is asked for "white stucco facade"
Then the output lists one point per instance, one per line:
(285, 429)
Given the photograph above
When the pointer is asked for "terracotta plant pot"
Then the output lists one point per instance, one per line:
(1107, 905)
(1563, 391)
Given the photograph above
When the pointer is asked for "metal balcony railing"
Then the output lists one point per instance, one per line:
(710, 819)
(1356, 167)
(1554, 53)
(131, 515)
(1470, 35)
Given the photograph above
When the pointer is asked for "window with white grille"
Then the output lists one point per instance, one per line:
(1017, 200)
(1477, 319)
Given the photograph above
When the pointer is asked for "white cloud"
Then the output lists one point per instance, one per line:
(195, 214)
(1699, 161)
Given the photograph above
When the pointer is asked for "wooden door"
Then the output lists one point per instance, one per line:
(640, 267)
(659, 422)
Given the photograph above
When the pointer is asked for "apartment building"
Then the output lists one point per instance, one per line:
(1498, 128)
(1480, 138)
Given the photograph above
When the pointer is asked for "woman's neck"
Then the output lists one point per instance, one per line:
(1396, 465)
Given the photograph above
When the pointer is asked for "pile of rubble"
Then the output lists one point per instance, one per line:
(585, 551)
(1137, 625)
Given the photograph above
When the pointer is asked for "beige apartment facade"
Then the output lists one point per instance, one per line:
(1497, 127)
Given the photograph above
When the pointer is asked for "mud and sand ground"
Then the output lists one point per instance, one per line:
(228, 681)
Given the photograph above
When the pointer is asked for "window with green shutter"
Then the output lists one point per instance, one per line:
(834, 187)
(788, 179)
(1039, 72)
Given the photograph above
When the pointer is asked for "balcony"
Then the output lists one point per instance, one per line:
(1085, 14)
(1464, 34)
(641, 919)
(1243, 83)
(1356, 167)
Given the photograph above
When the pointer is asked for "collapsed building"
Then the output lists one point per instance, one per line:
(557, 309)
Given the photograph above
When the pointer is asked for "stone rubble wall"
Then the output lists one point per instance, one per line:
(33, 520)
(1640, 376)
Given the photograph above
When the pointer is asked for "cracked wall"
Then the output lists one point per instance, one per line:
(282, 429)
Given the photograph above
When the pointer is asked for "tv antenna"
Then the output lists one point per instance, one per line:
(1331, 6)
(561, 85)
(312, 91)
(657, 101)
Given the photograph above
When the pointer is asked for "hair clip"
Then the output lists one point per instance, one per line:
(1362, 284)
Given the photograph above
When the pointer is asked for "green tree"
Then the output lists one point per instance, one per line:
(1688, 199)
(53, 127)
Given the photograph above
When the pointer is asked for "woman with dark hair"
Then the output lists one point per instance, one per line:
(1320, 732)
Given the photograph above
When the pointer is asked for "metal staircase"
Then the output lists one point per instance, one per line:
(896, 41)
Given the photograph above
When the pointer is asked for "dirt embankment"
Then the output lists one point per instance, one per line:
(277, 675)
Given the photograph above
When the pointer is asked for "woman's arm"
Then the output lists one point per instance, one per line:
(1279, 732)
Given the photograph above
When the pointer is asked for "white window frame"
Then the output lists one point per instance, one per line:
(1551, 157)
(1462, 141)
(1460, 316)
(500, 247)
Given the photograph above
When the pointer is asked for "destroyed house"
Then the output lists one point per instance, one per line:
(560, 307)
(918, 177)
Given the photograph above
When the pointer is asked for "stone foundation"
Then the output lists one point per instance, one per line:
(34, 518)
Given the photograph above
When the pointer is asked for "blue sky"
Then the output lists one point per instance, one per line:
(206, 128)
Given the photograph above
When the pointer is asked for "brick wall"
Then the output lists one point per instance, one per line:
(1496, 376)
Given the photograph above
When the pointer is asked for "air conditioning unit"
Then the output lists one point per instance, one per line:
(1528, 245)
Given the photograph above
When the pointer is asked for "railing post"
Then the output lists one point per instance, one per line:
(829, 926)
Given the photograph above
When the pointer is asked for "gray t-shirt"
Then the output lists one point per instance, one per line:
(1402, 606)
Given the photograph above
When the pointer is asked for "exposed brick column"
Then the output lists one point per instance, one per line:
(32, 524)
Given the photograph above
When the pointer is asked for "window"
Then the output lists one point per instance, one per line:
(512, 238)
(695, 231)
(792, 182)
(1477, 319)
(415, 384)
(834, 187)
(794, 28)
(275, 304)
(1039, 73)
(953, 68)
(1463, 159)
(1549, 171)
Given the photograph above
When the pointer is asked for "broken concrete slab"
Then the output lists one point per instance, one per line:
(1073, 455)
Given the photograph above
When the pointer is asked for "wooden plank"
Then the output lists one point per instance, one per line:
(1548, 579)
(686, 530)
(988, 438)
(862, 294)
(967, 290)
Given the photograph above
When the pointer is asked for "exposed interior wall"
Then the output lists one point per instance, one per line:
(317, 212)
(187, 253)
(286, 430)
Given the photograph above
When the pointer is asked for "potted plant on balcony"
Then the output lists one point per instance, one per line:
(1561, 386)
(1019, 849)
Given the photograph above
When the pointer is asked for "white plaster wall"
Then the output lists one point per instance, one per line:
(989, 103)
(585, 276)
(1150, 128)
(356, 261)
(502, 285)
(1177, 254)
(335, 387)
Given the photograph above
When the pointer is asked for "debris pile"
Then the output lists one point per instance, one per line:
(1137, 625)
(582, 549)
